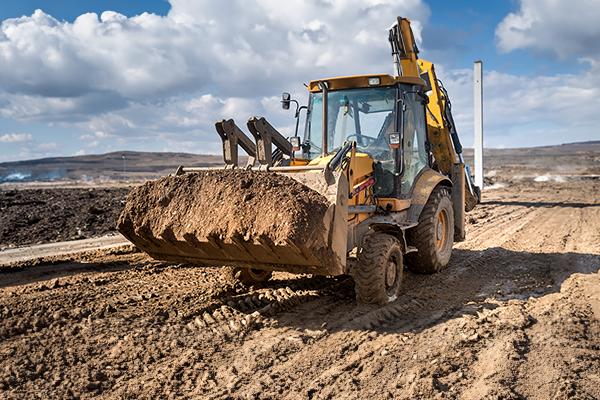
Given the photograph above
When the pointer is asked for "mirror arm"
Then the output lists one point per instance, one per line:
(297, 105)
(298, 109)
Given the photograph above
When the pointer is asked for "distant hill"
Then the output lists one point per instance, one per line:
(130, 165)
(581, 154)
(135, 166)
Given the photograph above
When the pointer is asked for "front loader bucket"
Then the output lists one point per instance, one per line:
(295, 222)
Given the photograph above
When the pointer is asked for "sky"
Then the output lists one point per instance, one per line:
(90, 77)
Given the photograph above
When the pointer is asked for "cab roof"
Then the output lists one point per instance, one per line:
(362, 81)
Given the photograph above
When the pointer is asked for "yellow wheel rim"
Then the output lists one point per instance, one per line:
(442, 229)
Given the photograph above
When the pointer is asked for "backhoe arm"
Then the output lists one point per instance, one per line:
(441, 129)
(404, 48)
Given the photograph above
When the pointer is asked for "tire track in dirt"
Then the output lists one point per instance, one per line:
(335, 347)
(499, 322)
(494, 232)
(422, 301)
(556, 229)
(424, 305)
(284, 304)
(531, 224)
(238, 315)
(415, 303)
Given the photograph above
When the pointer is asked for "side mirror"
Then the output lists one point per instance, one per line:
(285, 100)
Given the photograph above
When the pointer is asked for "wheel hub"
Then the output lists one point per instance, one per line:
(442, 230)
(390, 275)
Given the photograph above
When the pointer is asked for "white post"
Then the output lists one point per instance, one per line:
(478, 111)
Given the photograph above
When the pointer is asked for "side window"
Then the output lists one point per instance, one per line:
(415, 156)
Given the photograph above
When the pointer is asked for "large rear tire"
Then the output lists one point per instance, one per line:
(434, 236)
(378, 272)
(251, 276)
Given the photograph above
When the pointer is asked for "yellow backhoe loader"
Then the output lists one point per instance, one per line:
(380, 182)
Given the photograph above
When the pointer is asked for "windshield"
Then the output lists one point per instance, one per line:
(363, 115)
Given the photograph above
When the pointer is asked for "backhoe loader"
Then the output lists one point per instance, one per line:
(380, 181)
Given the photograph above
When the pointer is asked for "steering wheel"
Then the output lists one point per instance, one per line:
(362, 139)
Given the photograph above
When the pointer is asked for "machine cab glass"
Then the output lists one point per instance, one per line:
(368, 116)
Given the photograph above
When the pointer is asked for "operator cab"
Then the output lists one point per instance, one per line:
(384, 115)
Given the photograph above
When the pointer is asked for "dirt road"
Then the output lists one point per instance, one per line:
(516, 315)
(10, 255)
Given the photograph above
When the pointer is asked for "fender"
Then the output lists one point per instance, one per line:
(422, 190)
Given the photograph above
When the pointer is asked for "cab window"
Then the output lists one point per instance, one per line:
(415, 155)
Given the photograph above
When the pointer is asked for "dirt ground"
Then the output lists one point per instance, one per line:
(42, 215)
(516, 315)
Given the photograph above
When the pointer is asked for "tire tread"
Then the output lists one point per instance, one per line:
(428, 260)
(369, 276)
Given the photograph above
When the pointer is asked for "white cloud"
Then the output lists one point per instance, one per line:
(39, 108)
(150, 79)
(47, 146)
(16, 138)
(134, 57)
(153, 76)
(193, 47)
(28, 147)
(565, 105)
(552, 27)
(190, 122)
(79, 153)
(39, 150)
(97, 135)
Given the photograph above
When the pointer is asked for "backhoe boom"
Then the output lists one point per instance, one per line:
(441, 129)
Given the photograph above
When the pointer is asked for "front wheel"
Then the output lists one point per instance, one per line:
(378, 272)
(433, 236)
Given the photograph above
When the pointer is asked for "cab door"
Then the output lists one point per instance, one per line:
(415, 156)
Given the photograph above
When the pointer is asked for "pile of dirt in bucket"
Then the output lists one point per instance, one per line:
(224, 204)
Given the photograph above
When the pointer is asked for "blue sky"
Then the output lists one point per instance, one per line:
(89, 77)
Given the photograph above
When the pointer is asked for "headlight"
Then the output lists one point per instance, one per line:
(295, 141)
(394, 140)
(374, 81)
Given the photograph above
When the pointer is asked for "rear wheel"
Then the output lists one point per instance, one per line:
(378, 272)
(251, 276)
(434, 236)
(477, 191)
